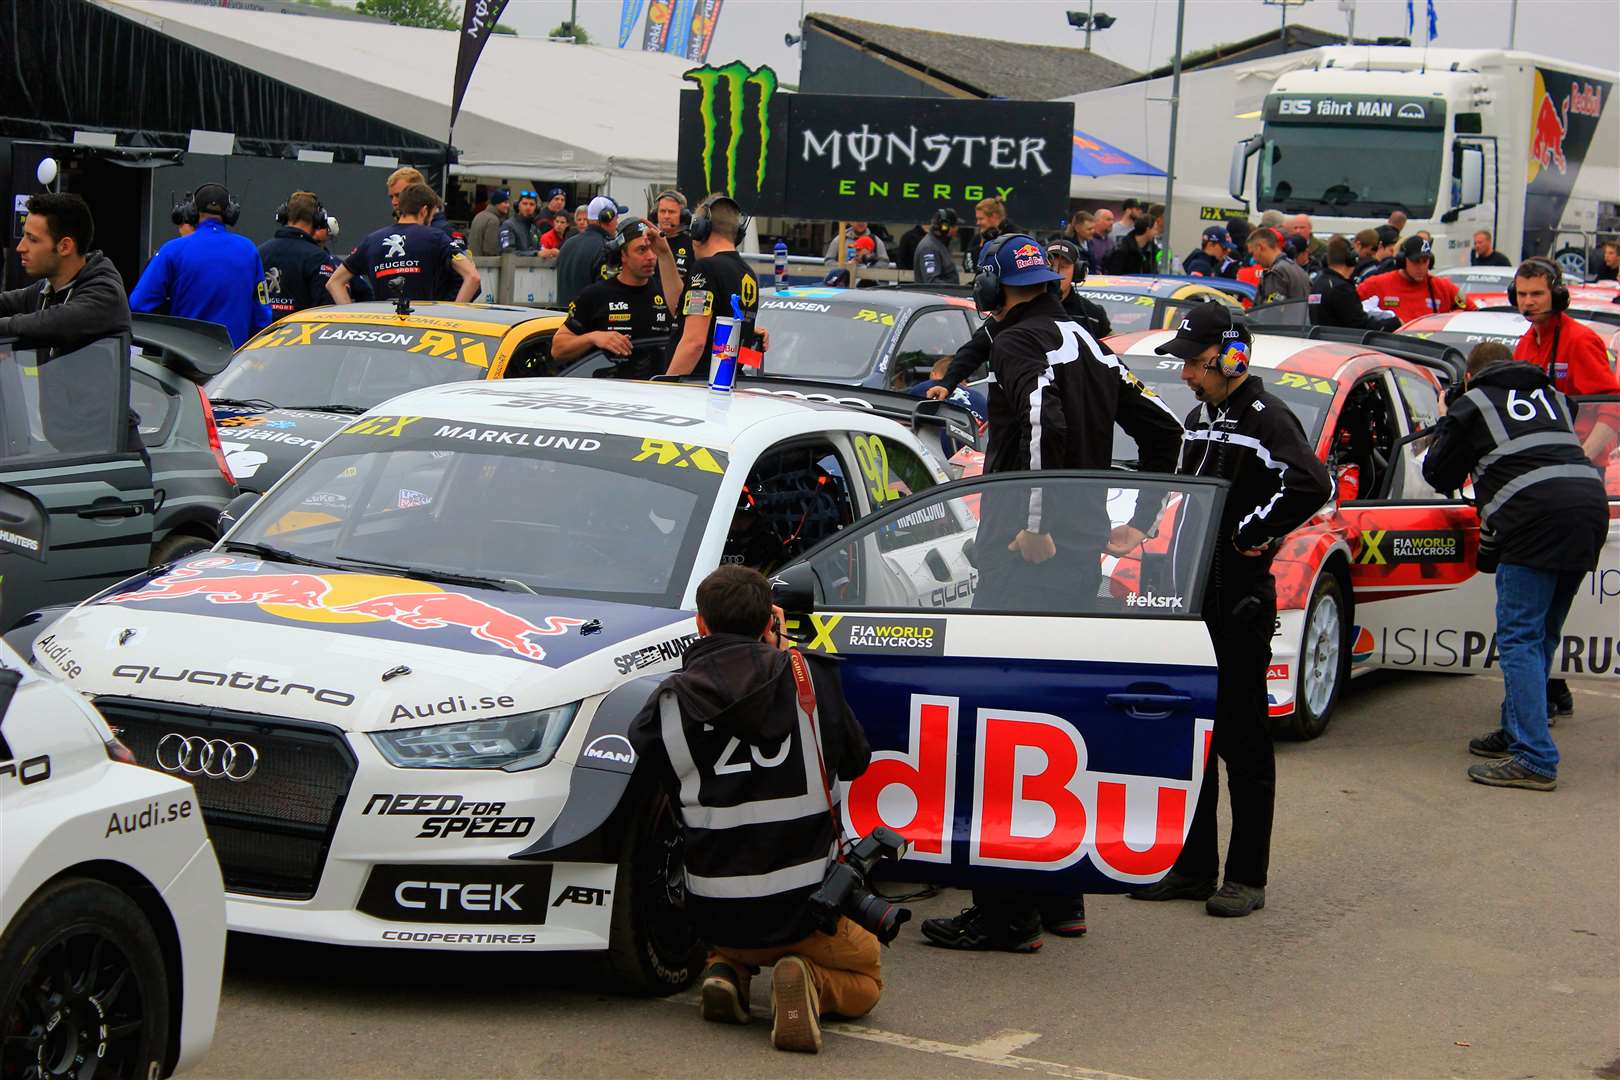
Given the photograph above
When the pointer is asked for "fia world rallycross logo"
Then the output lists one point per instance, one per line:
(733, 99)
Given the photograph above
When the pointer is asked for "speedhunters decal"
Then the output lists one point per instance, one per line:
(651, 655)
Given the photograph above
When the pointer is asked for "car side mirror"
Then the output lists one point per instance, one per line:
(235, 509)
(793, 589)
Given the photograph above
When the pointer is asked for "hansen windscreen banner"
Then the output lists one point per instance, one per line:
(850, 157)
(1564, 115)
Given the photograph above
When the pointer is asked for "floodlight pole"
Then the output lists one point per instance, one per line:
(1091, 8)
(1175, 115)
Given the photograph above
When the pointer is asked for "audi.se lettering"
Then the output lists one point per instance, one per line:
(150, 816)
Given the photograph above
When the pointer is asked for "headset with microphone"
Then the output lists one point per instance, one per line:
(679, 200)
(1236, 341)
(228, 209)
(702, 226)
(1555, 283)
(629, 229)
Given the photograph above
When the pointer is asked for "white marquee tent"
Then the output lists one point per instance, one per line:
(535, 109)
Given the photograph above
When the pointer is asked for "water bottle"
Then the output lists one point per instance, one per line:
(781, 267)
(723, 360)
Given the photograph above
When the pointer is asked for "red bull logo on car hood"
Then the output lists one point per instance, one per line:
(539, 629)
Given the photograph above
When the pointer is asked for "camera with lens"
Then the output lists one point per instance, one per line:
(844, 891)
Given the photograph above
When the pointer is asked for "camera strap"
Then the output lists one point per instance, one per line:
(807, 708)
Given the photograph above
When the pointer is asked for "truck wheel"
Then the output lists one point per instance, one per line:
(82, 986)
(652, 948)
(1572, 261)
(1324, 662)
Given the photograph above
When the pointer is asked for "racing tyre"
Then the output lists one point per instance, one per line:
(82, 987)
(652, 947)
(1572, 261)
(1324, 661)
(177, 545)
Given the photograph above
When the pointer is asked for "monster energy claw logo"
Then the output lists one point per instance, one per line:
(735, 77)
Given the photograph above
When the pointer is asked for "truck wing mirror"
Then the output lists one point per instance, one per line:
(1241, 153)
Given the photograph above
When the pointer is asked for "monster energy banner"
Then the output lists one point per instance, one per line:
(1564, 115)
(850, 157)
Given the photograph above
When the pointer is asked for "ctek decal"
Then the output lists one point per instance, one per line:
(457, 894)
(1036, 803)
(721, 155)
(860, 634)
(450, 815)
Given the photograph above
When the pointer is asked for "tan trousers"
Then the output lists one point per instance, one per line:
(845, 966)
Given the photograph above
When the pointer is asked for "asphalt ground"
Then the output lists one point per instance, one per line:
(1417, 925)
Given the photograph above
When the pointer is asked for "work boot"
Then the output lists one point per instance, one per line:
(1509, 773)
(1174, 886)
(1560, 702)
(1235, 901)
(1495, 745)
(972, 929)
(725, 994)
(1065, 917)
(795, 1007)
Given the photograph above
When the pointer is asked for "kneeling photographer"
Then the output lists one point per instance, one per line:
(748, 739)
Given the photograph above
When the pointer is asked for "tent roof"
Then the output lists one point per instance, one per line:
(982, 66)
(538, 108)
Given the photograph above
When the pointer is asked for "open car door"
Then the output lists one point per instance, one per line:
(1041, 725)
(65, 438)
(1420, 602)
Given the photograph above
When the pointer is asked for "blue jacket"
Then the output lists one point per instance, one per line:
(214, 275)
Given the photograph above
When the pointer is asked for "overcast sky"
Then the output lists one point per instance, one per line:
(1587, 31)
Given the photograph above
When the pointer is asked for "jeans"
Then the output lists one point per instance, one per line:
(1530, 608)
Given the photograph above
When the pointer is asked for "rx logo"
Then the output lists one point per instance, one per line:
(679, 455)
(1371, 548)
(582, 894)
(394, 246)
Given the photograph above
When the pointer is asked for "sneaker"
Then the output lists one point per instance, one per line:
(795, 1008)
(972, 930)
(1174, 886)
(1509, 773)
(1235, 901)
(725, 994)
(1065, 918)
(1495, 745)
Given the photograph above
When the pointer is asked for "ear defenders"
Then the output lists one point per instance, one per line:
(320, 222)
(1234, 355)
(702, 226)
(184, 212)
(232, 212)
(629, 228)
(988, 292)
(1560, 291)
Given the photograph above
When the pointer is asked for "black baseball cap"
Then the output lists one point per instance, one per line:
(1388, 234)
(1202, 326)
(1296, 244)
(1065, 249)
(211, 199)
(1416, 249)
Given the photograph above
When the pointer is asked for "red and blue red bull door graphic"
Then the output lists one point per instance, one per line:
(1564, 115)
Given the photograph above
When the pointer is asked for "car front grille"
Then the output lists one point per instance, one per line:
(272, 830)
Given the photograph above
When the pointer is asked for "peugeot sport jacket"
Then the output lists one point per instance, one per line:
(726, 738)
(1536, 490)
(1254, 441)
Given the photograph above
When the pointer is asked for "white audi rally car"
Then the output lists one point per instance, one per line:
(402, 681)
(112, 912)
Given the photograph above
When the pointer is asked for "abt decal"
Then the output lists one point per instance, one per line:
(1036, 803)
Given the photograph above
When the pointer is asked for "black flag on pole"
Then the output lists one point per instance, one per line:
(477, 23)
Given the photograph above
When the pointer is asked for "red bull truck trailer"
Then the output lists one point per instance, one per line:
(1523, 146)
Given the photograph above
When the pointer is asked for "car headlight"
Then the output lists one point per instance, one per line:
(513, 743)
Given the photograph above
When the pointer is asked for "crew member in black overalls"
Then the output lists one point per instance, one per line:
(1242, 434)
(625, 316)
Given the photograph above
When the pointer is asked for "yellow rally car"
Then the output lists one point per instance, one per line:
(1138, 303)
(300, 379)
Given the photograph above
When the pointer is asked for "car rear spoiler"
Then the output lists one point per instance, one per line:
(955, 420)
(190, 348)
(1446, 361)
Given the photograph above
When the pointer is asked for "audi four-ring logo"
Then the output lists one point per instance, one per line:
(213, 758)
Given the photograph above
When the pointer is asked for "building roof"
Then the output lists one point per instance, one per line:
(976, 66)
(1258, 47)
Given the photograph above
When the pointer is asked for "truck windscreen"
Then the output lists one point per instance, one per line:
(1350, 171)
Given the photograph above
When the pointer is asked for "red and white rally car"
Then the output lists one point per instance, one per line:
(1383, 575)
(1465, 329)
(1599, 301)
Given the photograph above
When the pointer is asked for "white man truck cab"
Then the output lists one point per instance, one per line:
(1459, 139)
